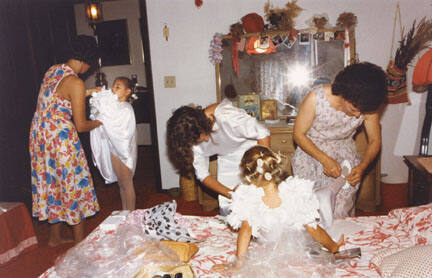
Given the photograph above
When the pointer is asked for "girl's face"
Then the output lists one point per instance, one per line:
(120, 89)
(350, 109)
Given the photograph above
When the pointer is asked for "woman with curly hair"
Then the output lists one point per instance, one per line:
(327, 120)
(194, 134)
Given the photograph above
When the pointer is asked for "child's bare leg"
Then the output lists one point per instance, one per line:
(125, 182)
(55, 235)
(320, 235)
(78, 231)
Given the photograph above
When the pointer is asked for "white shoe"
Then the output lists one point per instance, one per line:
(346, 170)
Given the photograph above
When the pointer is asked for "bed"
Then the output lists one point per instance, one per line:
(381, 239)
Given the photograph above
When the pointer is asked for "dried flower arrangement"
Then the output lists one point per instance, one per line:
(413, 42)
(346, 20)
(282, 18)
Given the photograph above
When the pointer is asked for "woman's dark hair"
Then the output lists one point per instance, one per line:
(82, 48)
(183, 131)
(363, 85)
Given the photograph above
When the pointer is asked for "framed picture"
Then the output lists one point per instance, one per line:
(251, 104)
(268, 109)
(113, 42)
(304, 38)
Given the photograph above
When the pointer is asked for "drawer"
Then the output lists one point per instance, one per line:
(282, 142)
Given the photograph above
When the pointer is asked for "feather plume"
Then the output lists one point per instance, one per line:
(413, 42)
(346, 20)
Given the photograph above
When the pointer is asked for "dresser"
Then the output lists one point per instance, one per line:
(369, 195)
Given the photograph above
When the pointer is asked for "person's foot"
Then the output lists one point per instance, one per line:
(57, 242)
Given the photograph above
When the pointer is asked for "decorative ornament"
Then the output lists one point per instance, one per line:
(215, 51)
(282, 19)
(198, 3)
(318, 22)
(248, 179)
(268, 176)
(346, 20)
(259, 168)
(166, 32)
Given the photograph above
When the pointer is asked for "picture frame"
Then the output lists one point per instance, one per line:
(269, 109)
(304, 38)
(251, 104)
(113, 42)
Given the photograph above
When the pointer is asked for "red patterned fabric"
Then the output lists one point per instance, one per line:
(17, 235)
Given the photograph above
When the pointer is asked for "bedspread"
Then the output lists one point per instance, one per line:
(217, 243)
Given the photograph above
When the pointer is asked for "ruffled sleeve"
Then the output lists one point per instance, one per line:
(246, 205)
(300, 204)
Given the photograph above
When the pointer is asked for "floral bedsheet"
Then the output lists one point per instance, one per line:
(400, 228)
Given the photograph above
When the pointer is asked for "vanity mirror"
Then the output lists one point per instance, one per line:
(286, 75)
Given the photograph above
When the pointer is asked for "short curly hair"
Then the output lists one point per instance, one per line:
(183, 131)
(363, 85)
(82, 48)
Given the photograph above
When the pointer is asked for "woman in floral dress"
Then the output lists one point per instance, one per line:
(62, 187)
(327, 120)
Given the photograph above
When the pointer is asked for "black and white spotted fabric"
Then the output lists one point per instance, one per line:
(159, 223)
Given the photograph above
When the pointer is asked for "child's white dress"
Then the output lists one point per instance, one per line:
(299, 207)
(284, 248)
(116, 135)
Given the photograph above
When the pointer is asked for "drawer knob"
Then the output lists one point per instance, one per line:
(284, 141)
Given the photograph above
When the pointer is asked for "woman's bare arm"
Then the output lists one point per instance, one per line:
(303, 123)
(373, 131)
(73, 89)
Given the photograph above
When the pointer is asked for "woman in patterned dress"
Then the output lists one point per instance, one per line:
(62, 187)
(327, 120)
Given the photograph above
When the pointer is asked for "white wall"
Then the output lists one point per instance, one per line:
(114, 10)
(185, 55)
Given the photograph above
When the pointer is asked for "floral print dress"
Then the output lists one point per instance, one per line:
(332, 132)
(62, 187)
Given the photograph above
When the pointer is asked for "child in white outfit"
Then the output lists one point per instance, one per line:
(114, 144)
(267, 206)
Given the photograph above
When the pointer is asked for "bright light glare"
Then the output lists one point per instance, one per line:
(299, 76)
(94, 11)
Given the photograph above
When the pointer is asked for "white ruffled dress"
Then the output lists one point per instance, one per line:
(116, 135)
(299, 207)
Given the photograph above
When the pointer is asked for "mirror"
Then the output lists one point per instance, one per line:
(287, 74)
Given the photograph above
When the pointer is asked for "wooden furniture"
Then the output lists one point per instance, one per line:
(419, 182)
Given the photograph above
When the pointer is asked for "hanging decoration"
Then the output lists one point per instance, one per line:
(215, 51)
(418, 38)
(198, 3)
(165, 32)
(282, 18)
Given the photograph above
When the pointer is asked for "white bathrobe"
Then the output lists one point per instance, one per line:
(116, 135)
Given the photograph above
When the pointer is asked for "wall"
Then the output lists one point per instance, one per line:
(185, 55)
(114, 10)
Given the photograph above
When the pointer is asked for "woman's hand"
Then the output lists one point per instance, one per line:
(90, 91)
(331, 167)
(355, 176)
